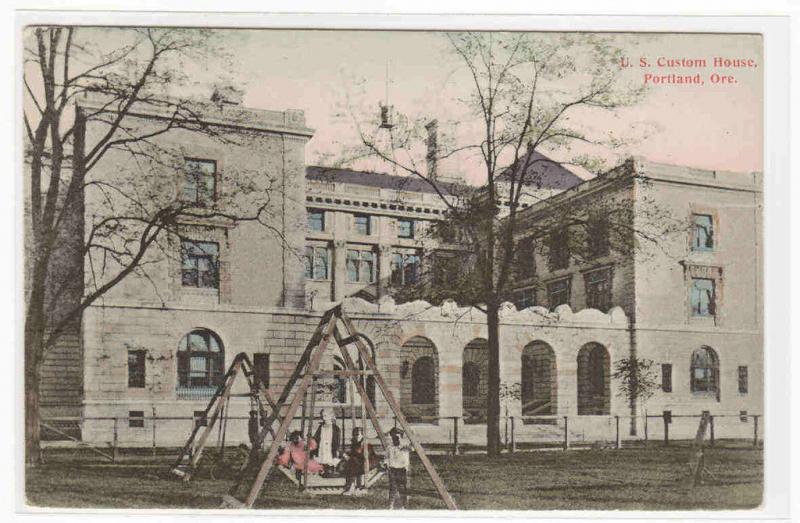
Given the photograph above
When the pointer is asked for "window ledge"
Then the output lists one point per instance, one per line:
(199, 291)
(705, 395)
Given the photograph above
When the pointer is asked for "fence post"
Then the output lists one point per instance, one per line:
(566, 433)
(455, 435)
(114, 454)
(711, 427)
(666, 428)
(513, 441)
(616, 439)
(155, 422)
(645, 429)
(755, 431)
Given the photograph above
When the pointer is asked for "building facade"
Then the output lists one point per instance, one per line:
(156, 346)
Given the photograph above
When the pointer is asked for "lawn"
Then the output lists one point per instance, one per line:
(626, 479)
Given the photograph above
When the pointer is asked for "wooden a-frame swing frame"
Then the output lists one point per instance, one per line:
(306, 371)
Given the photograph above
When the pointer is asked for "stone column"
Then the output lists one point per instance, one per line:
(384, 268)
(339, 269)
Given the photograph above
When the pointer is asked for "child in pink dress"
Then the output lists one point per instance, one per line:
(295, 455)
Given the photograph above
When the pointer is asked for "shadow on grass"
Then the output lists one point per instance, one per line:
(641, 479)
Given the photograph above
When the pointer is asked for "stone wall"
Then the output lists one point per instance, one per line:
(111, 331)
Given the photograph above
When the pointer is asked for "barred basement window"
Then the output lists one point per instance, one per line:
(136, 369)
(200, 418)
(666, 377)
(742, 374)
(136, 419)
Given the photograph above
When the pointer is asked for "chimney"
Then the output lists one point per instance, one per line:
(227, 95)
(433, 148)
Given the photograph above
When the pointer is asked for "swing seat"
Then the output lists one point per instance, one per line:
(319, 486)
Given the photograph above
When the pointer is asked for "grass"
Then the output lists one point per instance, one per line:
(626, 479)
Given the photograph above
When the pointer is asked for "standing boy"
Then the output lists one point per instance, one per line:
(398, 462)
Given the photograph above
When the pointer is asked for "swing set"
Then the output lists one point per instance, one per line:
(334, 326)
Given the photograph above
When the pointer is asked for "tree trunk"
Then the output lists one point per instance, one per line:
(493, 399)
(34, 338)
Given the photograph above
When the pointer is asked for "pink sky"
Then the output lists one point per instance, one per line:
(710, 126)
(715, 127)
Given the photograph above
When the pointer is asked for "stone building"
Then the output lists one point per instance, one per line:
(156, 346)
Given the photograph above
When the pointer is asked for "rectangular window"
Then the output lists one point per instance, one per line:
(200, 418)
(136, 419)
(524, 258)
(558, 244)
(261, 367)
(316, 220)
(405, 269)
(136, 366)
(200, 181)
(598, 289)
(742, 375)
(702, 232)
(743, 416)
(597, 237)
(405, 228)
(361, 224)
(703, 297)
(317, 263)
(200, 264)
(558, 293)
(361, 266)
(525, 298)
(666, 377)
(366, 271)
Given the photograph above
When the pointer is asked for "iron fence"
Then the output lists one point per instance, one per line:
(106, 436)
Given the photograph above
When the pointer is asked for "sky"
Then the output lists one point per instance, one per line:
(337, 77)
(711, 126)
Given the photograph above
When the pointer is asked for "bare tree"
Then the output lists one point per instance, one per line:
(85, 105)
(529, 94)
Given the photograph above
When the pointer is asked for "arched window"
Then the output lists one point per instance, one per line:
(705, 371)
(539, 385)
(470, 379)
(594, 385)
(418, 371)
(423, 381)
(201, 360)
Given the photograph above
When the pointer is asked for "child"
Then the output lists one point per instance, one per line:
(398, 462)
(354, 462)
(295, 454)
